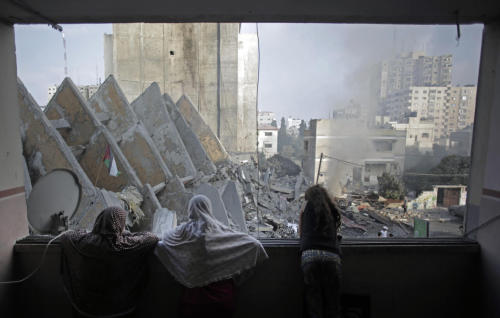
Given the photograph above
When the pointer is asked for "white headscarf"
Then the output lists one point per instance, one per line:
(203, 250)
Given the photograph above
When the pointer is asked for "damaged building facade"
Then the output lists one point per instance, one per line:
(329, 152)
(212, 63)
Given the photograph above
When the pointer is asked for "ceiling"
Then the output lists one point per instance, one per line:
(340, 11)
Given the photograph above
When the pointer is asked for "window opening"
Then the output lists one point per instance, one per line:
(385, 157)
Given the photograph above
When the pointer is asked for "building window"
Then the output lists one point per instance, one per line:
(268, 134)
(266, 145)
(383, 145)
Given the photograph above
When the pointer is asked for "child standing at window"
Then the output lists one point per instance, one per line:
(320, 261)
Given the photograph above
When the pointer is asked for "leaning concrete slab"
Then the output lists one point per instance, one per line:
(46, 150)
(218, 208)
(87, 132)
(129, 132)
(198, 155)
(232, 202)
(210, 142)
(151, 110)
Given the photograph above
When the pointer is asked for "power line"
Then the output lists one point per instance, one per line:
(344, 161)
(436, 174)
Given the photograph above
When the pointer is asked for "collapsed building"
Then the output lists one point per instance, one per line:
(164, 153)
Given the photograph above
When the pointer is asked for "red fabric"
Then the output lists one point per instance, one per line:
(214, 300)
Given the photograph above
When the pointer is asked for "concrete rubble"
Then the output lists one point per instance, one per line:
(165, 154)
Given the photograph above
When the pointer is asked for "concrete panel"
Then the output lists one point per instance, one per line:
(218, 208)
(87, 131)
(198, 155)
(210, 142)
(129, 132)
(46, 150)
(232, 202)
(152, 111)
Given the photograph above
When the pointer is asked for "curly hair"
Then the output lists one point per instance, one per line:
(327, 214)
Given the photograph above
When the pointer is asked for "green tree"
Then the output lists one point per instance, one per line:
(451, 170)
(390, 187)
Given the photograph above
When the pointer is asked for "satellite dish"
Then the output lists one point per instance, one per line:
(56, 192)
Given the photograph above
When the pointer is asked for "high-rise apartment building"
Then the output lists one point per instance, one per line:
(451, 108)
(414, 69)
(266, 118)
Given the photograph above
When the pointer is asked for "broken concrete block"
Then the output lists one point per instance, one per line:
(163, 221)
(198, 155)
(218, 209)
(232, 203)
(87, 131)
(48, 151)
(151, 110)
(175, 197)
(281, 189)
(130, 134)
(210, 142)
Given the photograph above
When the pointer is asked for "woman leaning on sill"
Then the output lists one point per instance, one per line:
(320, 259)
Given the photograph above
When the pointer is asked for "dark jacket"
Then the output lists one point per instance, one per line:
(312, 238)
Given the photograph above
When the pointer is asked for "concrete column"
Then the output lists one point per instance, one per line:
(484, 185)
(248, 72)
(13, 220)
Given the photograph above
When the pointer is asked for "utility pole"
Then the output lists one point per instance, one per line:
(319, 167)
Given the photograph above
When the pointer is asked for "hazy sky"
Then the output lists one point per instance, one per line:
(306, 69)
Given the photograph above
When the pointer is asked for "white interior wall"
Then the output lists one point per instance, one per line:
(13, 221)
(484, 192)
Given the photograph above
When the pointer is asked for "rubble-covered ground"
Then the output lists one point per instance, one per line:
(276, 201)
